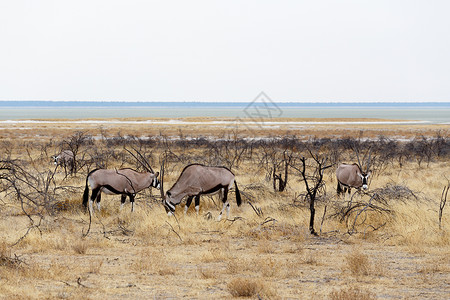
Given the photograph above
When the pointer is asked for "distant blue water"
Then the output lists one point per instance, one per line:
(436, 112)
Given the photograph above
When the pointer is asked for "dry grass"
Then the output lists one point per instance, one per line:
(145, 254)
(248, 287)
(358, 263)
(352, 294)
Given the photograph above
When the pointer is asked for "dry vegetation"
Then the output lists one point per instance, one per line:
(386, 243)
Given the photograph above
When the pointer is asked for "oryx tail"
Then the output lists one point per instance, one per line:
(238, 195)
(86, 190)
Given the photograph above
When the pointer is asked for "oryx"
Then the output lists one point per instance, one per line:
(66, 159)
(196, 180)
(126, 182)
(352, 176)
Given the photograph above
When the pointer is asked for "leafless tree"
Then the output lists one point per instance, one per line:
(33, 188)
(284, 163)
(312, 176)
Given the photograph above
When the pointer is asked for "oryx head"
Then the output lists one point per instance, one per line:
(169, 207)
(364, 175)
(155, 182)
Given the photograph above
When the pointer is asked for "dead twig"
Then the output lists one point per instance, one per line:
(89, 227)
(442, 203)
(174, 231)
(323, 218)
(258, 211)
(80, 284)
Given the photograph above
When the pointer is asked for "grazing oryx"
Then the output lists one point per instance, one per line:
(352, 176)
(196, 180)
(126, 182)
(65, 158)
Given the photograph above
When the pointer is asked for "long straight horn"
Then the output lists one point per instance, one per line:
(146, 164)
(161, 176)
(359, 162)
(368, 161)
(142, 160)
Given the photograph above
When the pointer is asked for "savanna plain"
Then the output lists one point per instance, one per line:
(388, 242)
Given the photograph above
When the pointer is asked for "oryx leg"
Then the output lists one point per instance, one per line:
(348, 194)
(132, 201)
(98, 199)
(123, 197)
(197, 204)
(226, 205)
(188, 203)
(95, 192)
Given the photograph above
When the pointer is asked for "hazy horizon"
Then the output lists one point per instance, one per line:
(206, 51)
(363, 103)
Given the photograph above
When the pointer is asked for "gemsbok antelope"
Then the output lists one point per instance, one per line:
(126, 182)
(352, 176)
(65, 159)
(196, 180)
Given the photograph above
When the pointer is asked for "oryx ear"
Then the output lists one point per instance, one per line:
(169, 194)
(368, 173)
(156, 174)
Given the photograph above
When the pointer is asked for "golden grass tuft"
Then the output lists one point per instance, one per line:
(248, 287)
(352, 293)
(358, 263)
(80, 247)
(207, 273)
(243, 287)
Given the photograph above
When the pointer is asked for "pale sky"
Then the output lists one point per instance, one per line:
(305, 51)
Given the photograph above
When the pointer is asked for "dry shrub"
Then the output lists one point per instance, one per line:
(80, 247)
(6, 258)
(247, 287)
(243, 287)
(268, 267)
(358, 263)
(166, 270)
(213, 255)
(352, 293)
(207, 273)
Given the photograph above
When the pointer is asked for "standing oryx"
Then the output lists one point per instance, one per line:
(66, 159)
(352, 176)
(126, 182)
(196, 180)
